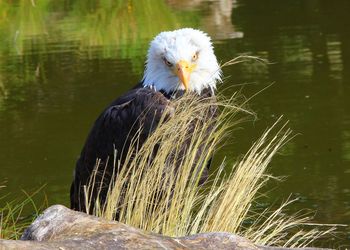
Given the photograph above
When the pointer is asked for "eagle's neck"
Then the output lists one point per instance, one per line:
(207, 92)
(173, 94)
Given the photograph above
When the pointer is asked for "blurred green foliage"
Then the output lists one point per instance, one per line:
(109, 28)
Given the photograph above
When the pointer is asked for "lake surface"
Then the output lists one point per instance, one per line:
(62, 62)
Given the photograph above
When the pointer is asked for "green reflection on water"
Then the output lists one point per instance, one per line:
(62, 62)
(96, 28)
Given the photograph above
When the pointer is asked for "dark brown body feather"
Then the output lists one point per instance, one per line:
(113, 132)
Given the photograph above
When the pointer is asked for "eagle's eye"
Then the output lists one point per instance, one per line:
(167, 63)
(195, 56)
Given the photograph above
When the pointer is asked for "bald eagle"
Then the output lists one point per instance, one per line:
(177, 61)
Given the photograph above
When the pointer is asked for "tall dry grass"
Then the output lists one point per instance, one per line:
(158, 189)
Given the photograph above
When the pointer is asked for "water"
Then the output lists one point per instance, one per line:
(62, 62)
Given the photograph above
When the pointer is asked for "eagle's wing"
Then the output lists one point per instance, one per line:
(113, 131)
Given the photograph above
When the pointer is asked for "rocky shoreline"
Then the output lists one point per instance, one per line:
(61, 228)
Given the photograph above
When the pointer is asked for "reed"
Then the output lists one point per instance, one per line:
(13, 219)
(158, 188)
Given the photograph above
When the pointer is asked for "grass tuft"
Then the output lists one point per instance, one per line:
(158, 188)
(12, 219)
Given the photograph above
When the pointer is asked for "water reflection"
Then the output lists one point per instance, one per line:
(61, 62)
(217, 18)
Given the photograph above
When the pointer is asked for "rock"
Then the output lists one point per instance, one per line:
(61, 228)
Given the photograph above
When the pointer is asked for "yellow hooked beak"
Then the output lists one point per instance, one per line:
(183, 70)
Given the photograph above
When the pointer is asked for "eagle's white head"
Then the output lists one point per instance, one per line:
(181, 60)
